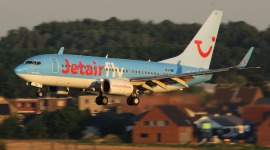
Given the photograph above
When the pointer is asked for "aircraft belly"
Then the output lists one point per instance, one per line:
(74, 82)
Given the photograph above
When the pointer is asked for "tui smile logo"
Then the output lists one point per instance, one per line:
(204, 54)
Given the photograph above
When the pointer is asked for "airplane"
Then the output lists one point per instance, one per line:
(60, 72)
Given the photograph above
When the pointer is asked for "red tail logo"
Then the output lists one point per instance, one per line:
(204, 54)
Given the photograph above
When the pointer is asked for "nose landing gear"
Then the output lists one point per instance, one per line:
(39, 93)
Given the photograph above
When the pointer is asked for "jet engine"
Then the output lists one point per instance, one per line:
(58, 90)
(117, 87)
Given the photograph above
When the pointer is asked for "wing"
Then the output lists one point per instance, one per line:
(146, 83)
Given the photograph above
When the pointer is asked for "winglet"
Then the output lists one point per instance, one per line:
(245, 60)
(61, 51)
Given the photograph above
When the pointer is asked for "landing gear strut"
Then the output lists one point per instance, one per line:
(101, 100)
(39, 93)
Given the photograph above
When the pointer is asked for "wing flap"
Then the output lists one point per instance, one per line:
(163, 80)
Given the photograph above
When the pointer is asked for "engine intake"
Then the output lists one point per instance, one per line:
(117, 87)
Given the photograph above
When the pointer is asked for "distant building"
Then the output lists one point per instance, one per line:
(234, 98)
(164, 124)
(26, 106)
(36, 106)
(89, 102)
(258, 112)
(52, 104)
(5, 109)
(119, 105)
(148, 102)
(263, 133)
(225, 126)
(208, 88)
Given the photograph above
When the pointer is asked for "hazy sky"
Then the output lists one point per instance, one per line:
(28, 13)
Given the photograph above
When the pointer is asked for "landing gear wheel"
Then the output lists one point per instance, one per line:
(98, 101)
(102, 100)
(133, 101)
(129, 101)
(39, 94)
(136, 101)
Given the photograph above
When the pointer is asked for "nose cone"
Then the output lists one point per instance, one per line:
(21, 69)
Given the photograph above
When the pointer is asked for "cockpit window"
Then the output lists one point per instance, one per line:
(33, 62)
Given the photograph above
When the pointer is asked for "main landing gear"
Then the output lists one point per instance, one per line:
(101, 100)
(131, 100)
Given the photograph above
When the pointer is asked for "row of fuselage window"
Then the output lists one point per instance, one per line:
(124, 71)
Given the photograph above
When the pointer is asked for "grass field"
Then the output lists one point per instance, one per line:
(60, 145)
(70, 145)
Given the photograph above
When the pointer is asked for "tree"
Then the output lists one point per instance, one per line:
(36, 128)
(10, 128)
(65, 123)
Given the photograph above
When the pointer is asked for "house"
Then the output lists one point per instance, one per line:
(208, 87)
(5, 109)
(37, 106)
(257, 112)
(225, 126)
(234, 98)
(148, 102)
(263, 133)
(164, 124)
(52, 104)
(89, 102)
(26, 106)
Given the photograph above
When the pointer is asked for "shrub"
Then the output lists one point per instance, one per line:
(2, 146)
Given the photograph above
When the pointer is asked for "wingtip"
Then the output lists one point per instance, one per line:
(245, 60)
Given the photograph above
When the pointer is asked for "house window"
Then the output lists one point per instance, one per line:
(28, 104)
(33, 105)
(19, 104)
(86, 101)
(45, 103)
(162, 123)
(144, 135)
(146, 123)
(60, 103)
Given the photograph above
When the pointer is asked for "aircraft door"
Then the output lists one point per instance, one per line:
(55, 66)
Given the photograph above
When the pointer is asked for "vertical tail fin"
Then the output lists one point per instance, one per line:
(200, 50)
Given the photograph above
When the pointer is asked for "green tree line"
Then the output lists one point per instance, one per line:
(131, 40)
(60, 124)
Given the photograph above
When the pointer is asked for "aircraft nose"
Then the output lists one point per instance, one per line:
(20, 69)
